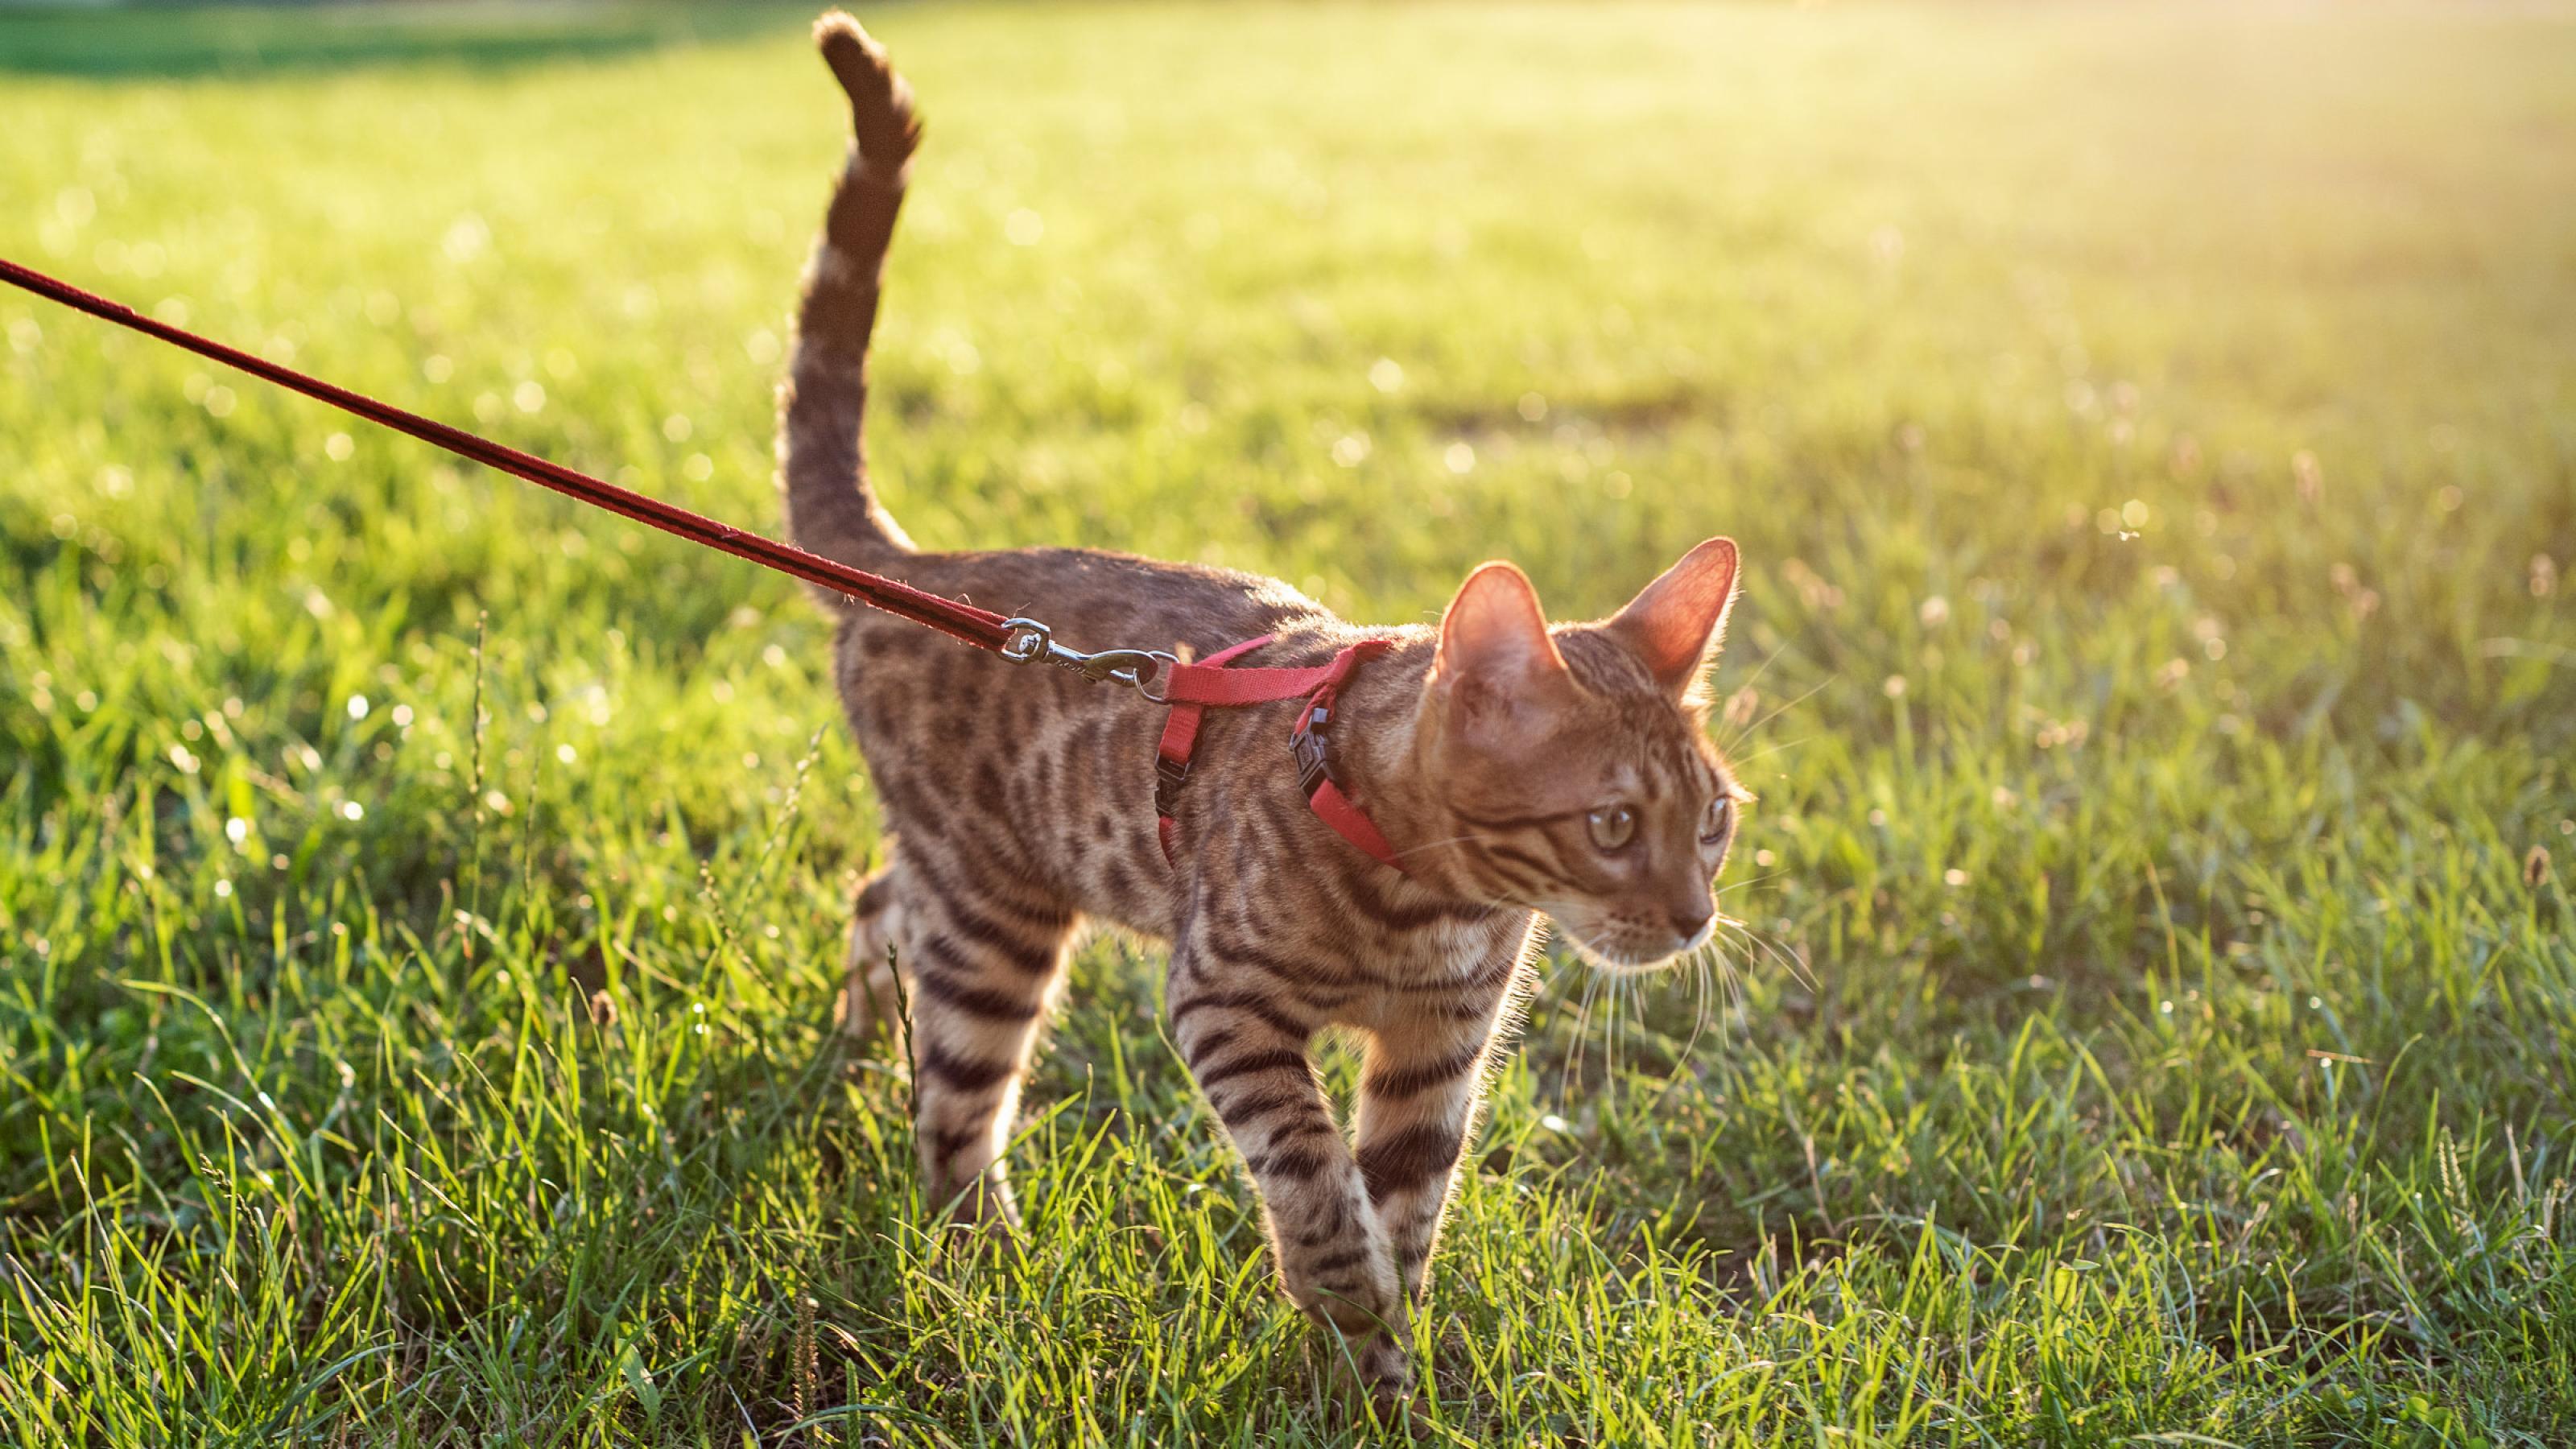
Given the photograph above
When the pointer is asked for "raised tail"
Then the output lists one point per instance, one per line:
(822, 462)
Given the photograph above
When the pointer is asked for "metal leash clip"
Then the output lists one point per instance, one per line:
(1148, 670)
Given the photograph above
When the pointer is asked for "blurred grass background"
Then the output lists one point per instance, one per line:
(2151, 432)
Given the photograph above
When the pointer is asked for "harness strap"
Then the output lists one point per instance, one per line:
(1195, 688)
(1181, 737)
(1352, 823)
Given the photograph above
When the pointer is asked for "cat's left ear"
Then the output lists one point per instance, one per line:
(1677, 622)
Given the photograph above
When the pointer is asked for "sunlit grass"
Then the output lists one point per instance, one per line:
(2151, 436)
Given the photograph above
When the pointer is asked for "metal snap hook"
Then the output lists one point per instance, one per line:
(1156, 683)
(1025, 639)
(1148, 670)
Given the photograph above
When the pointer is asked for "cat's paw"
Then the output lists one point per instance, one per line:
(982, 1210)
(968, 1241)
(1373, 1377)
(1361, 1328)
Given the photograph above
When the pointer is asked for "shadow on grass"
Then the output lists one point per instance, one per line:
(187, 41)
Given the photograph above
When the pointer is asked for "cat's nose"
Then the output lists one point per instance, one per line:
(1689, 921)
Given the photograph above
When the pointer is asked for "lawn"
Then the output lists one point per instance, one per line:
(2152, 436)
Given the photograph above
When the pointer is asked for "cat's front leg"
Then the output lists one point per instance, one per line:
(1418, 1093)
(1243, 1029)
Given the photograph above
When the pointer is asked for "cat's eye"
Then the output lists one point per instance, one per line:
(1719, 820)
(1612, 826)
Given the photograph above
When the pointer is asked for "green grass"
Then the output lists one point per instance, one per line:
(2152, 434)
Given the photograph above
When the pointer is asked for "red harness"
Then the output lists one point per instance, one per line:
(1194, 688)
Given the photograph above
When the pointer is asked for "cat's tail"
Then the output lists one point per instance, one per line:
(822, 463)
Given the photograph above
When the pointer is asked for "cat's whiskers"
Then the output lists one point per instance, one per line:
(1772, 750)
(1739, 992)
(1746, 733)
(1728, 734)
(1713, 965)
(1795, 967)
(1700, 983)
(1582, 1036)
(1760, 669)
(1610, 1043)
(1789, 961)
(1743, 884)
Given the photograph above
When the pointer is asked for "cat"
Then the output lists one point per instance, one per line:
(1518, 768)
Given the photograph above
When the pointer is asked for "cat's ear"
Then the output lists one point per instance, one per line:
(1677, 622)
(1497, 670)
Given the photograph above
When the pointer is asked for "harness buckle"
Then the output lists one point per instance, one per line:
(1312, 749)
(1169, 776)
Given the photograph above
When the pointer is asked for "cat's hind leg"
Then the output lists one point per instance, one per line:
(873, 995)
(985, 954)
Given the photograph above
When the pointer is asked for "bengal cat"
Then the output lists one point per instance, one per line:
(1517, 768)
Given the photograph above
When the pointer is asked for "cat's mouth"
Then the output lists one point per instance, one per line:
(1617, 949)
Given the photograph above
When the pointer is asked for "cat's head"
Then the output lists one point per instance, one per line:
(1574, 762)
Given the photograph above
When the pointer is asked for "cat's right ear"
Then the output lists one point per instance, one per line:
(1677, 622)
(1497, 672)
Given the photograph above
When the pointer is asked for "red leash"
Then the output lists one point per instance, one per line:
(980, 627)
(1191, 688)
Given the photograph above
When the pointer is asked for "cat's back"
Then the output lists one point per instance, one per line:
(1095, 599)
